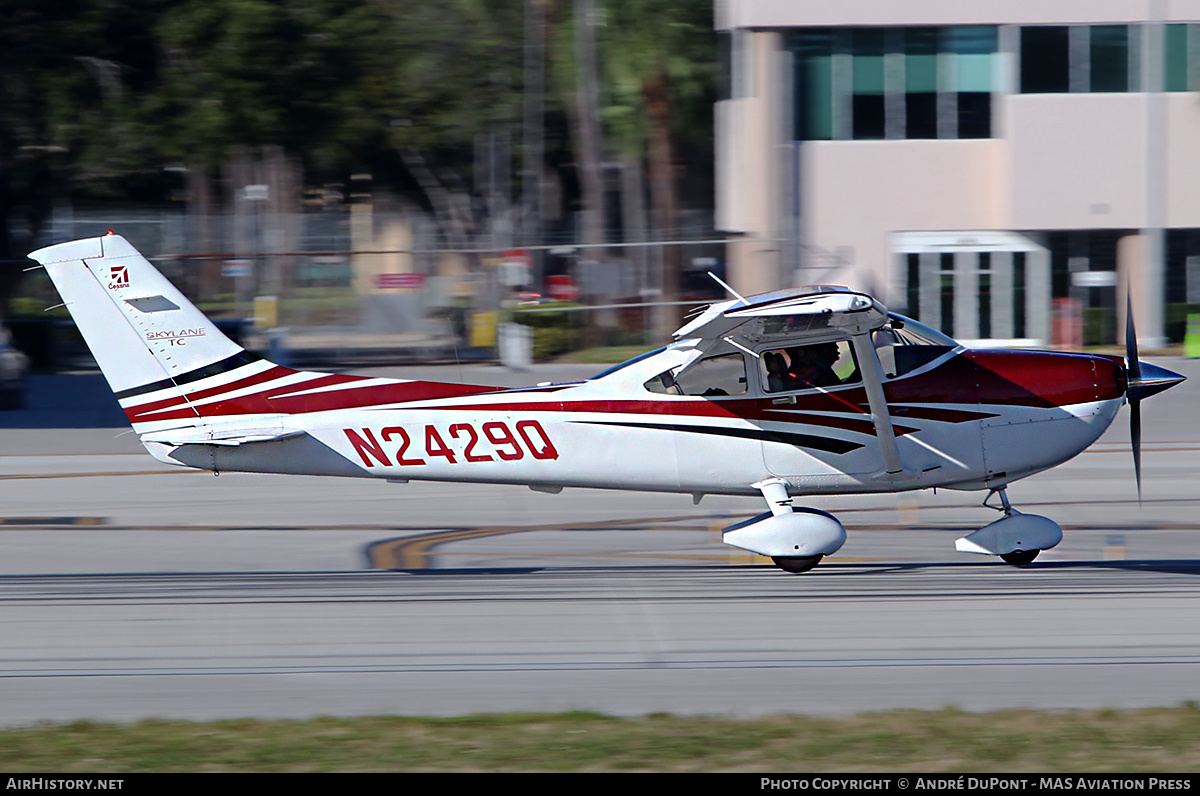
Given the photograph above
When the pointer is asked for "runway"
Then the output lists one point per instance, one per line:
(742, 641)
(133, 590)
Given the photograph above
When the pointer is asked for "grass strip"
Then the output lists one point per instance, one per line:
(948, 740)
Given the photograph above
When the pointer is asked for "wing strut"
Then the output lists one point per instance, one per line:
(872, 373)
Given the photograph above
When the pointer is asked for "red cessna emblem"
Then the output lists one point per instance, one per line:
(118, 277)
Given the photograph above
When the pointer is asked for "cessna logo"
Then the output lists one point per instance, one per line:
(118, 278)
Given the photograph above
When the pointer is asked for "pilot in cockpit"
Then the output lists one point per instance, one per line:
(811, 366)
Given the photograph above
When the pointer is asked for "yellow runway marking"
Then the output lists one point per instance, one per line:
(415, 552)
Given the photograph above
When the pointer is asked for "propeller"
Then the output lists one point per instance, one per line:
(1143, 380)
(1133, 374)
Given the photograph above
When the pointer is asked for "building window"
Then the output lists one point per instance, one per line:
(868, 79)
(734, 54)
(913, 286)
(946, 266)
(1057, 59)
(814, 84)
(1018, 294)
(921, 82)
(876, 83)
(1181, 51)
(985, 295)
(1181, 281)
(973, 53)
(1045, 60)
(1109, 58)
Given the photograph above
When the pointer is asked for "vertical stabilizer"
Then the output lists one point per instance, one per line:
(146, 336)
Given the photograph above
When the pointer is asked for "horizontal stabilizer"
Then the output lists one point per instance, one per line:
(209, 435)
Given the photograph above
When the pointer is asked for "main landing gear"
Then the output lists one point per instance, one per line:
(795, 538)
(1017, 538)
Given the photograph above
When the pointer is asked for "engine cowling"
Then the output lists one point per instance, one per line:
(802, 533)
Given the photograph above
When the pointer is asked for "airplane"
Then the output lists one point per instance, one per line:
(796, 393)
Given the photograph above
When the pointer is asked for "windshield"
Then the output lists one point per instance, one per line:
(910, 332)
(905, 345)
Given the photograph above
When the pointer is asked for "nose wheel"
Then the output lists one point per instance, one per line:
(1016, 538)
(1019, 558)
(796, 564)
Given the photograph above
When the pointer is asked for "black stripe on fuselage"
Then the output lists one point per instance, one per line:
(829, 444)
(216, 368)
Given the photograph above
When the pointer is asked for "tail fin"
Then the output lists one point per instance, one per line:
(147, 338)
(178, 378)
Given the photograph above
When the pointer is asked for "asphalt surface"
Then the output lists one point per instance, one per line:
(134, 590)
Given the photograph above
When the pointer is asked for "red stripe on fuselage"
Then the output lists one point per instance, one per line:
(270, 374)
(279, 400)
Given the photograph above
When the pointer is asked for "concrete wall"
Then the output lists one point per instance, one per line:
(1183, 160)
(856, 193)
(1077, 161)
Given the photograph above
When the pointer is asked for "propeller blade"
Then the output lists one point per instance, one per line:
(1132, 365)
(1135, 436)
(1133, 371)
(1143, 380)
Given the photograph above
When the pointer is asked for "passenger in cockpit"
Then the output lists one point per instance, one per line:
(812, 366)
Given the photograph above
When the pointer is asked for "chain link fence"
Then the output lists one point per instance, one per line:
(353, 284)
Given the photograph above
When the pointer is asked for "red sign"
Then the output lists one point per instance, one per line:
(1067, 324)
(562, 287)
(517, 256)
(389, 281)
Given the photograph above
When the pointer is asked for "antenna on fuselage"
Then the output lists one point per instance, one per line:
(721, 282)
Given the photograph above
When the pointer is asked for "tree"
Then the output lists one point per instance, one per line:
(661, 68)
(69, 77)
(449, 73)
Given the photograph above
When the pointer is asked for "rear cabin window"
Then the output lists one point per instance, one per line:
(710, 377)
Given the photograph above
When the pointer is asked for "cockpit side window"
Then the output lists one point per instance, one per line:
(710, 377)
(805, 367)
(904, 345)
